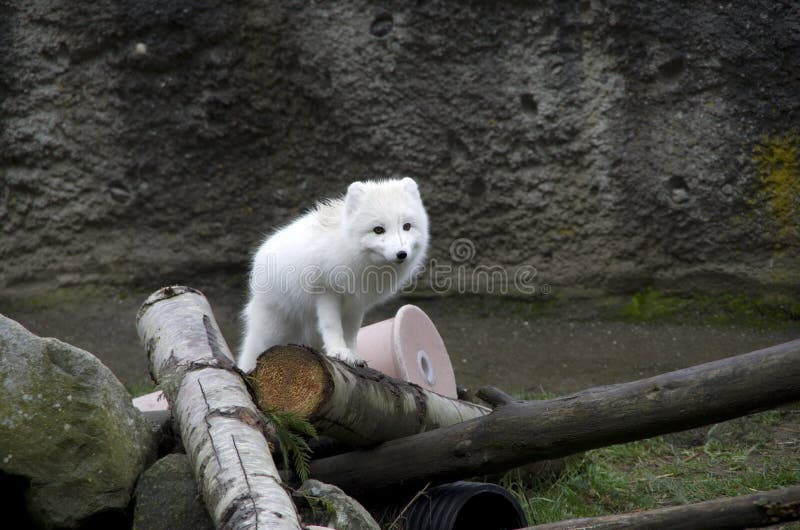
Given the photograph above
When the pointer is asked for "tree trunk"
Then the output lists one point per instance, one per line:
(746, 511)
(219, 424)
(359, 406)
(522, 432)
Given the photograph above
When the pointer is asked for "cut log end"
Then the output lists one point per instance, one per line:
(289, 378)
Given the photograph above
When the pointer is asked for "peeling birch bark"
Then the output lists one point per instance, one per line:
(359, 406)
(220, 426)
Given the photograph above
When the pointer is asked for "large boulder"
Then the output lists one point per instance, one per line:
(68, 430)
(605, 143)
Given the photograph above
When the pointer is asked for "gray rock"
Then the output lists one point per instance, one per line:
(326, 505)
(68, 428)
(167, 498)
(605, 143)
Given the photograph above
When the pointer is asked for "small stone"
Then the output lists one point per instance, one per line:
(326, 505)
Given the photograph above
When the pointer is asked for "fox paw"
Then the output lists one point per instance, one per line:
(348, 357)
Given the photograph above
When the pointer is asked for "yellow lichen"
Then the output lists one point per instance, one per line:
(776, 159)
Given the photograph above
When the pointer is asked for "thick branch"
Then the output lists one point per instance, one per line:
(746, 511)
(522, 432)
(359, 406)
(218, 421)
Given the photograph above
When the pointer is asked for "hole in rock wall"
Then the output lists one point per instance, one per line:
(382, 25)
(528, 104)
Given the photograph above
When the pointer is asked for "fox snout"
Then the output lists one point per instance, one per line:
(402, 255)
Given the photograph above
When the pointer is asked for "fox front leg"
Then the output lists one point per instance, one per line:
(329, 323)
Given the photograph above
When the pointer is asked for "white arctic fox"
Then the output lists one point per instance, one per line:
(313, 279)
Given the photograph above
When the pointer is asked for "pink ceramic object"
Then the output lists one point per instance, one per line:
(152, 401)
(409, 347)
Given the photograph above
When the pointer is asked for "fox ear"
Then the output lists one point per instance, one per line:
(410, 186)
(355, 192)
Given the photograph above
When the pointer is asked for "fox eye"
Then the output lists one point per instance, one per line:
(379, 230)
(407, 227)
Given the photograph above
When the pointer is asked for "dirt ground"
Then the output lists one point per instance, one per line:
(490, 341)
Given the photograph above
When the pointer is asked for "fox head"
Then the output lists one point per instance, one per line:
(388, 221)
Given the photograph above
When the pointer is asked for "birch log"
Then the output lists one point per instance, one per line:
(218, 422)
(745, 511)
(359, 406)
(528, 431)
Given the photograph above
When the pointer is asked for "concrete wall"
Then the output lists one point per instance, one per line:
(607, 144)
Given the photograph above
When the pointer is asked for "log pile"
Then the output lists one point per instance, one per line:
(526, 431)
(406, 437)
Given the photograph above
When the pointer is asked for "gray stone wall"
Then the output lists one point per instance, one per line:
(607, 144)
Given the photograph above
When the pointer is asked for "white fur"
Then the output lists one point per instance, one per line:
(313, 280)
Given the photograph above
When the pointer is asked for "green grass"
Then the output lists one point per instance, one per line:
(767, 311)
(140, 388)
(738, 457)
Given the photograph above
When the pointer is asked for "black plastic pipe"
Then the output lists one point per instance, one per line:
(466, 506)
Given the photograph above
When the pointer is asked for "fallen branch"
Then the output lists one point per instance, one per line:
(358, 406)
(219, 424)
(525, 431)
(746, 511)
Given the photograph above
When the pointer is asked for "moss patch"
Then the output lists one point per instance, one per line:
(764, 312)
(650, 305)
(777, 159)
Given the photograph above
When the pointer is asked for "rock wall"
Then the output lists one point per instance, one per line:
(608, 144)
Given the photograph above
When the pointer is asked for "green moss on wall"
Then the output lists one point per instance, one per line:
(776, 158)
(766, 311)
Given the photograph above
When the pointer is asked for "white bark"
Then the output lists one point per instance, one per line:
(359, 406)
(219, 424)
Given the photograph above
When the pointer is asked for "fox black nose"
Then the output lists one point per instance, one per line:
(402, 255)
